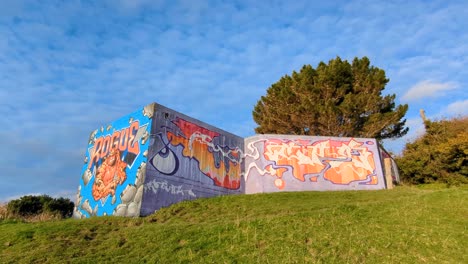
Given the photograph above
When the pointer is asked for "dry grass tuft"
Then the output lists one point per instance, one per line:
(3, 211)
(43, 217)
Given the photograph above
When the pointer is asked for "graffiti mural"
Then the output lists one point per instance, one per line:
(189, 159)
(114, 168)
(220, 163)
(156, 157)
(310, 163)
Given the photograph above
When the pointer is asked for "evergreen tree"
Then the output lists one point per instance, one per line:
(336, 99)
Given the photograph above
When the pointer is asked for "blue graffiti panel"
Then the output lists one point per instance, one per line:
(115, 166)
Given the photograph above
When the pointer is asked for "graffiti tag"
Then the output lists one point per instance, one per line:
(154, 186)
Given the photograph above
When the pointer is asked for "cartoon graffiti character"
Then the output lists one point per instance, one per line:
(110, 174)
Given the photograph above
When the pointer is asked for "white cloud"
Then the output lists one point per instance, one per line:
(428, 88)
(458, 108)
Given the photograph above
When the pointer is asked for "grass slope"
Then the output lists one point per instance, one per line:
(404, 225)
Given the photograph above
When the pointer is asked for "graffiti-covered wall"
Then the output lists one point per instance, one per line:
(156, 157)
(114, 167)
(189, 159)
(299, 163)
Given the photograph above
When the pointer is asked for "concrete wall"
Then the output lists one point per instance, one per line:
(114, 167)
(390, 167)
(189, 159)
(156, 157)
(276, 163)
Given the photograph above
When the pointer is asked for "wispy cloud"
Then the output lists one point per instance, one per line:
(458, 107)
(428, 88)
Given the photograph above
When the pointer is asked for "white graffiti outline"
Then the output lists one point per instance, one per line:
(207, 140)
(154, 186)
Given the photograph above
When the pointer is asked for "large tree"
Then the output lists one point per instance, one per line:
(336, 99)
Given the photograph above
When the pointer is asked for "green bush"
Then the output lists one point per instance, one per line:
(60, 205)
(440, 155)
(31, 205)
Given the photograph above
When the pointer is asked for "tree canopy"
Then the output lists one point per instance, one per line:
(440, 155)
(335, 99)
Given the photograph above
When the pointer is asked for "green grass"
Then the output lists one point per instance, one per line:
(404, 225)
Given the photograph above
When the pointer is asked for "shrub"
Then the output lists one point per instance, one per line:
(31, 205)
(440, 155)
(26, 205)
(60, 205)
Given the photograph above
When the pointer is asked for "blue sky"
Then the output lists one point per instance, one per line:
(68, 67)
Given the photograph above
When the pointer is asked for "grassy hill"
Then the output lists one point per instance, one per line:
(404, 225)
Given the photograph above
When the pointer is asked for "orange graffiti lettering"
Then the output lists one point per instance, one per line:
(123, 140)
(133, 145)
(340, 162)
(198, 144)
